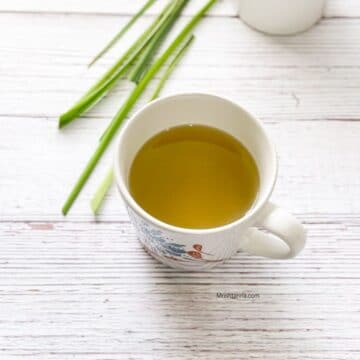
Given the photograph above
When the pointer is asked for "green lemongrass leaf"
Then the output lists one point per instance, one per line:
(122, 32)
(172, 67)
(137, 47)
(108, 80)
(128, 105)
(91, 99)
(99, 196)
(146, 56)
(100, 193)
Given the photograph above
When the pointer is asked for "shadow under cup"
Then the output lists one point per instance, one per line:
(200, 109)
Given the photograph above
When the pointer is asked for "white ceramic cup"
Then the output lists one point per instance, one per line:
(281, 17)
(282, 236)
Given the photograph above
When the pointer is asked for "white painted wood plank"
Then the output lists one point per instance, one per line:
(89, 290)
(115, 7)
(334, 8)
(304, 88)
(82, 288)
(319, 164)
(342, 8)
(283, 78)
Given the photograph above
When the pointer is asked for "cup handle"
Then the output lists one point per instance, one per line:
(282, 235)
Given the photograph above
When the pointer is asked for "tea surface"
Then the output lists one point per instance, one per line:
(194, 176)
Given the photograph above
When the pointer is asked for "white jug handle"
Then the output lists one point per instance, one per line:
(282, 236)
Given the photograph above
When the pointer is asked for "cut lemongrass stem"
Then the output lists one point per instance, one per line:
(108, 80)
(122, 32)
(171, 67)
(100, 193)
(92, 98)
(153, 46)
(99, 196)
(128, 105)
(140, 43)
(169, 70)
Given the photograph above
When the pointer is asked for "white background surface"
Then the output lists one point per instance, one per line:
(82, 288)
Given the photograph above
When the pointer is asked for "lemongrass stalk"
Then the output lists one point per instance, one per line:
(101, 191)
(93, 97)
(172, 66)
(99, 196)
(122, 31)
(109, 79)
(140, 42)
(146, 56)
(168, 71)
(128, 105)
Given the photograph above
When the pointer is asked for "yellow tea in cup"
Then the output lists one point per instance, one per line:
(194, 176)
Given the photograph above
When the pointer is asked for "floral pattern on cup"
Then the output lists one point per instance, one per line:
(157, 242)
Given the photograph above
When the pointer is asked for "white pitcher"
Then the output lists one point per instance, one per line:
(281, 17)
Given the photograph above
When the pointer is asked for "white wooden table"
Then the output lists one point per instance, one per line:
(82, 287)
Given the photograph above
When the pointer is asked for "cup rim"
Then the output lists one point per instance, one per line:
(130, 201)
